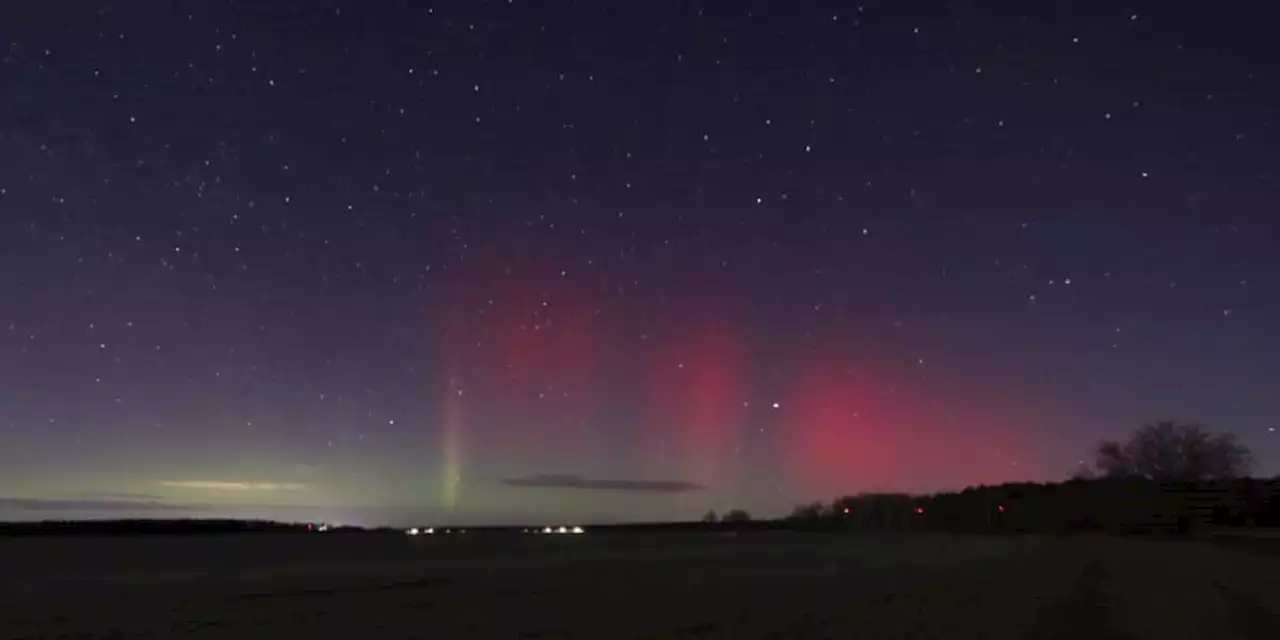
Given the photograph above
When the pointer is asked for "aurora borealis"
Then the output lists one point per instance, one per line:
(523, 261)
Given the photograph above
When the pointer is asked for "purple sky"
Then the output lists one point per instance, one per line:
(409, 265)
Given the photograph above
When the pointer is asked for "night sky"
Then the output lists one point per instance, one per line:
(523, 261)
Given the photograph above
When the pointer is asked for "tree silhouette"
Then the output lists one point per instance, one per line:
(1083, 472)
(1170, 451)
(811, 511)
(711, 517)
(736, 515)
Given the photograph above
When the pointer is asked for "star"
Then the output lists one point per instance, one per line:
(268, 242)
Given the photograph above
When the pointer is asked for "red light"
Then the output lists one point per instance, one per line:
(1000, 508)
(919, 511)
(309, 526)
(846, 510)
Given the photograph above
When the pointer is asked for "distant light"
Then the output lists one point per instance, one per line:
(846, 510)
(412, 532)
(919, 511)
(562, 530)
(323, 528)
(578, 530)
(1000, 508)
(777, 405)
(430, 530)
(546, 529)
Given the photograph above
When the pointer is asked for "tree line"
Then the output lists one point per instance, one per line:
(1167, 477)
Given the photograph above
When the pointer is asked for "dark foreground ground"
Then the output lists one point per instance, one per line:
(756, 585)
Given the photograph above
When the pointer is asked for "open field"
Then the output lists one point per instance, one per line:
(757, 585)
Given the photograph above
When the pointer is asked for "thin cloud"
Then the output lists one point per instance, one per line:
(563, 481)
(39, 504)
(128, 496)
(225, 485)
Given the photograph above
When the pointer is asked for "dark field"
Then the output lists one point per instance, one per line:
(756, 585)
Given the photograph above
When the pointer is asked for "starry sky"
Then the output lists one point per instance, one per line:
(526, 261)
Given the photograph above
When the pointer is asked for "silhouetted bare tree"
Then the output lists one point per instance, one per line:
(1170, 451)
(1083, 472)
(736, 515)
(811, 511)
(711, 517)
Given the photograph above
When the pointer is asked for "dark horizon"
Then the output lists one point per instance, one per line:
(73, 513)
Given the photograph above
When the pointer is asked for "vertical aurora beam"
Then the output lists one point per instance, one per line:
(696, 399)
(451, 447)
(711, 404)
